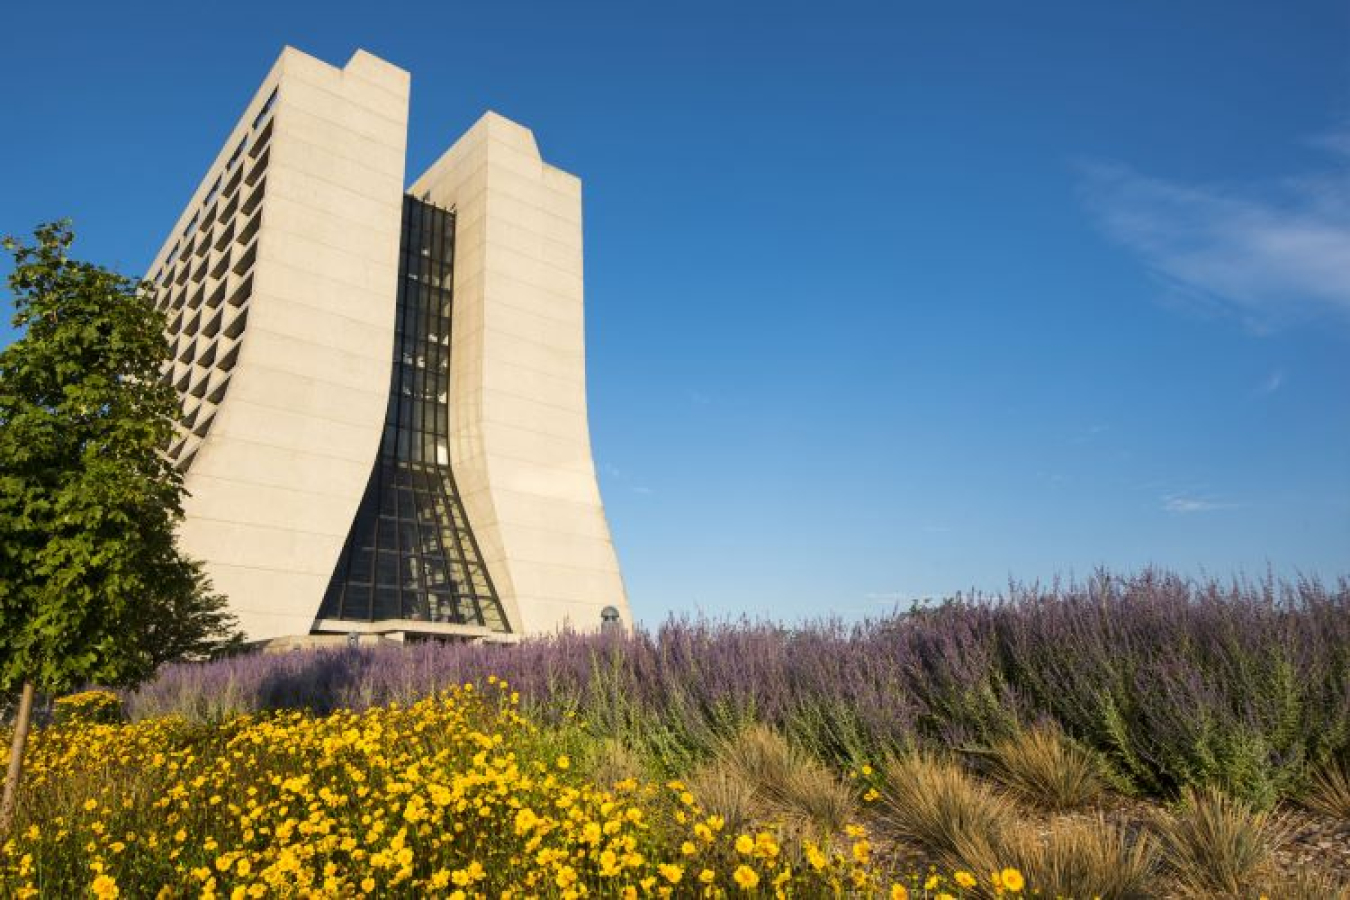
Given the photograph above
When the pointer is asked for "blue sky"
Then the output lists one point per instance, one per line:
(884, 300)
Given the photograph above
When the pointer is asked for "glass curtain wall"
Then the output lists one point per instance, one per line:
(410, 553)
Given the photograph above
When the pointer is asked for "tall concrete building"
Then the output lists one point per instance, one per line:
(383, 388)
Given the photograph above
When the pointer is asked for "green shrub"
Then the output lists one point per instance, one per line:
(94, 707)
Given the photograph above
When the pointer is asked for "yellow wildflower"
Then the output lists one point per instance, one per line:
(746, 877)
(1012, 880)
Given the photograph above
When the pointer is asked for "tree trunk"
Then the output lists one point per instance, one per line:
(21, 722)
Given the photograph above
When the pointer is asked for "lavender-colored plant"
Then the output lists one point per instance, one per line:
(1172, 682)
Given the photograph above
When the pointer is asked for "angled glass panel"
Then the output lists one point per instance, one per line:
(410, 553)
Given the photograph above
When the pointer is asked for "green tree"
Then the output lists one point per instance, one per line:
(89, 568)
(187, 621)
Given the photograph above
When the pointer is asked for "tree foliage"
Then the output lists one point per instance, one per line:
(92, 586)
(192, 622)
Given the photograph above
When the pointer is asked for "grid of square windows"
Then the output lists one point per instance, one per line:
(205, 283)
(411, 553)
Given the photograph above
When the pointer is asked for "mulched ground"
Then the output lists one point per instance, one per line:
(1316, 841)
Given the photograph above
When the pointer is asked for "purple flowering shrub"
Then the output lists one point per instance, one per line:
(1171, 682)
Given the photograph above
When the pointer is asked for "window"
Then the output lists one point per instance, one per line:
(266, 108)
(238, 152)
(427, 564)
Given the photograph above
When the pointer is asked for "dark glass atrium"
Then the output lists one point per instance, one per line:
(410, 553)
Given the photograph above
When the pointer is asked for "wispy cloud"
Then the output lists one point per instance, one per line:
(1184, 504)
(611, 472)
(1269, 252)
(1274, 381)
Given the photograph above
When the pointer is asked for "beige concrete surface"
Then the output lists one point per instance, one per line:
(520, 440)
(276, 478)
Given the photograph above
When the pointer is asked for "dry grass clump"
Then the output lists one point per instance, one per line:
(786, 783)
(1091, 858)
(1329, 791)
(932, 804)
(1217, 844)
(724, 792)
(1309, 884)
(1043, 767)
(613, 761)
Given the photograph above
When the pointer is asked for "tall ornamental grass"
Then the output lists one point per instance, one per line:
(1169, 682)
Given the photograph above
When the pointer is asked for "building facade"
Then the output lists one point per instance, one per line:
(384, 425)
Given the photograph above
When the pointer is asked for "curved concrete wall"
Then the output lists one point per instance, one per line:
(276, 481)
(520, 441)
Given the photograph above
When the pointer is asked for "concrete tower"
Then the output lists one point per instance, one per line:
(384, 423)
